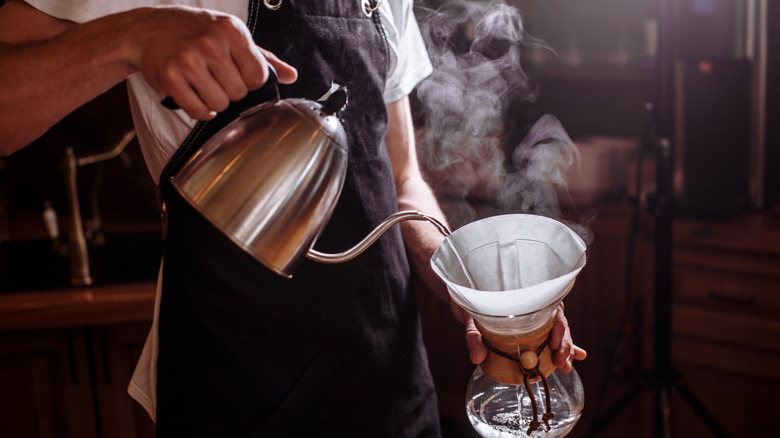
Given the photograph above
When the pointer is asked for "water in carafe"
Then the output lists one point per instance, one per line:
(497, 410)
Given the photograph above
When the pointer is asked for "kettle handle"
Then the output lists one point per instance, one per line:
(358, 249)
(273, 79)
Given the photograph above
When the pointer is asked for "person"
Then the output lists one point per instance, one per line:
(236, 350)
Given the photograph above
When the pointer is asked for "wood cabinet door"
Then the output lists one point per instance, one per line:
(117, 349)
(45, 385)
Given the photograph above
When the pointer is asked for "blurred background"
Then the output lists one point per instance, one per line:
(67, 350)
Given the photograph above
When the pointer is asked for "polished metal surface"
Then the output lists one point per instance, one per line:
(270, 179)
(376, 234)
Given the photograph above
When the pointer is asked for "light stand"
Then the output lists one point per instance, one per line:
(662, 380)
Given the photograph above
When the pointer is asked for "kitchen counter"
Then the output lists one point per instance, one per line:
(66, 357)
(77, 306)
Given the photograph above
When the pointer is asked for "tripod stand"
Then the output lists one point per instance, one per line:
(662, 380)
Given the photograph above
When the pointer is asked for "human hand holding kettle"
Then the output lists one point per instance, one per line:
(201, 59)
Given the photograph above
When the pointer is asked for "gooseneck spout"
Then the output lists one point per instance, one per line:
(374, 235)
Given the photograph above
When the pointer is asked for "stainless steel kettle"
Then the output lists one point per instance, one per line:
(270, 179)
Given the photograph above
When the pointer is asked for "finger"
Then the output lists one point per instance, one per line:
(211, 60)
(560, 329)
(180, 95)
(230, 79)
(286, 73)
(562, 357)
(192, 86)
(477, 350)
(566, 363)
(208, 88)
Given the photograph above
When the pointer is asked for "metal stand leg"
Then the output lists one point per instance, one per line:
(662, 380)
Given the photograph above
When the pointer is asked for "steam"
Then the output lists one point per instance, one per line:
(541, 163)
(475, 48)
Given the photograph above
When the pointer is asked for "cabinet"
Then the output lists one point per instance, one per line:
(66, 358)
(119, 348)
(45, 389)
(726, 324)
(71, 382)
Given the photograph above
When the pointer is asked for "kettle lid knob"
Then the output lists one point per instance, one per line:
(336, 101)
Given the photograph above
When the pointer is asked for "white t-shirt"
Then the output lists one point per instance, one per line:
(160, 131)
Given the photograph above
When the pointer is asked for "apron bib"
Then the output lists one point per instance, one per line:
(337, 349)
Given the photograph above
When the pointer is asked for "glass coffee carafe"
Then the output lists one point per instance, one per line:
(522, 393)
(510, 273)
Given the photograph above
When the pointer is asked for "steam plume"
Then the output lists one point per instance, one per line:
(475, 47)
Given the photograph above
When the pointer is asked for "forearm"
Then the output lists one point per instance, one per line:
(201, 58)
(421, 238)
(46, 79)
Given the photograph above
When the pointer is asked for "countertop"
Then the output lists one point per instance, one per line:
(77, 306)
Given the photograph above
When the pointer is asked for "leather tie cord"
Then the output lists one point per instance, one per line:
(527, 375)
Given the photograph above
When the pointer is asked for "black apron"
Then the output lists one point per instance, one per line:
(337, 349)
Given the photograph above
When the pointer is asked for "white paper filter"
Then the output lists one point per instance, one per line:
(511, 264)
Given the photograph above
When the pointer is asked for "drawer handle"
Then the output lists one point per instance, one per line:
(731, 298)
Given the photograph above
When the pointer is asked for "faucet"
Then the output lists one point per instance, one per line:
(77, 242)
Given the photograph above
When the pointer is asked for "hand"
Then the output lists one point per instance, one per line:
(564, 350)
(202, 59)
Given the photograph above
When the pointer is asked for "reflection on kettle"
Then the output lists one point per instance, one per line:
(270, 180)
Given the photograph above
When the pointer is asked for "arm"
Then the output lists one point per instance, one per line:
(422, 239)
(50, 67)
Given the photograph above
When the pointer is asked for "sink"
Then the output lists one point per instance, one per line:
(34, 265)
